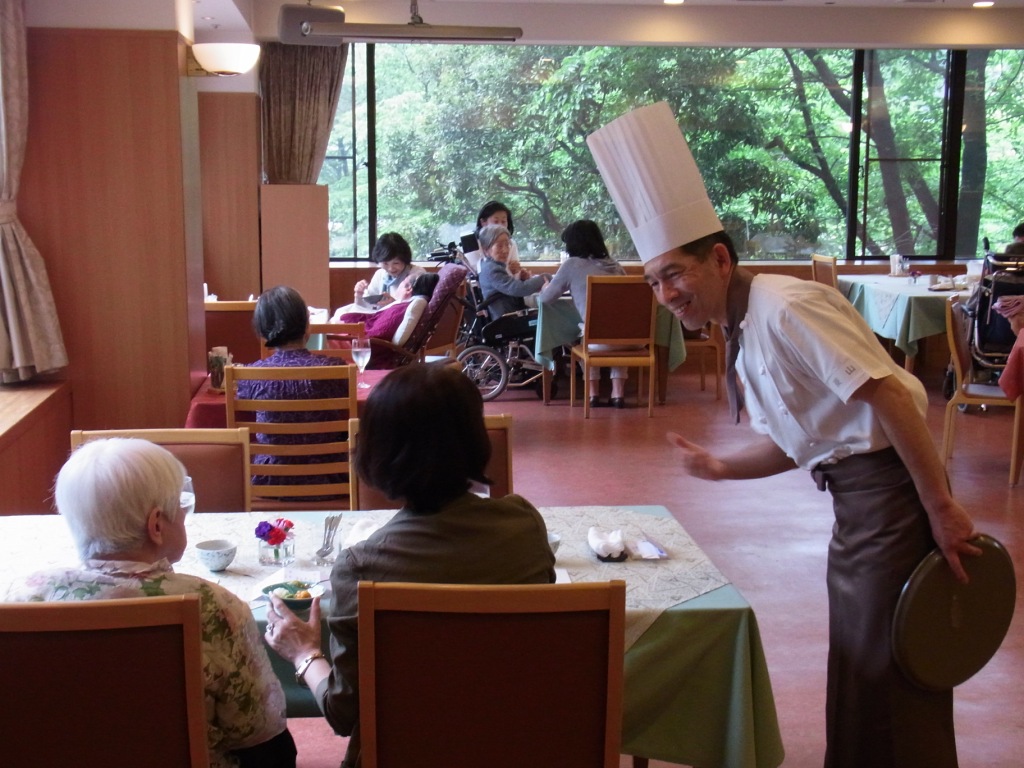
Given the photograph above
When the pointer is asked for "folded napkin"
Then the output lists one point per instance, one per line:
(607, 546)
(942, 285)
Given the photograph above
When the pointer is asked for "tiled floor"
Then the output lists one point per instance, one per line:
(769, 537)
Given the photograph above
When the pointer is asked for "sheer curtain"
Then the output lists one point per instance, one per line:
(300, 85)
(30, 337)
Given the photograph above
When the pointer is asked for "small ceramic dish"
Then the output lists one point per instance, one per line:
(288, 589)
(216, 554)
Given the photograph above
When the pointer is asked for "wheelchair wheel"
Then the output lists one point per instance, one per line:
(486, 369)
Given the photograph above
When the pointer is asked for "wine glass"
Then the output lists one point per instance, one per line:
(361, 356)
(188, 496)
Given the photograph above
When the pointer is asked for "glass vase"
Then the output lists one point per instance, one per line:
(277, 554)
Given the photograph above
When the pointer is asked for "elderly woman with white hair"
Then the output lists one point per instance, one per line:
(503, 291)
(121, 500)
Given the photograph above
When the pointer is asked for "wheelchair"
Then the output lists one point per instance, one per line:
(495, 355)
(498, 354)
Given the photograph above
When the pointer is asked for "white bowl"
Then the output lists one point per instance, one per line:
(553, 541)
(216, 554)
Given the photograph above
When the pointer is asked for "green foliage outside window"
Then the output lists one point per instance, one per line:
(771, 130)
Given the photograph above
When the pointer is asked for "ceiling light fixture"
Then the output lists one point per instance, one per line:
(226, 59)
(325, 25)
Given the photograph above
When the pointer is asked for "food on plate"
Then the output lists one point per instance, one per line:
(293, 590)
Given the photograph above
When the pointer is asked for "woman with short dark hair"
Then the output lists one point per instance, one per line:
(281, 319)
(588, 255)
(441, 446)
(422, 439)
(393, 254)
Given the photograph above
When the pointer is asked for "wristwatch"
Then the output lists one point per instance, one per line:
(300, 671)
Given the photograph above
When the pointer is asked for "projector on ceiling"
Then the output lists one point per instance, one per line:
(293, 21)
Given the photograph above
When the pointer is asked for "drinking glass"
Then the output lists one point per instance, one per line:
(188, 496)
(361, 356)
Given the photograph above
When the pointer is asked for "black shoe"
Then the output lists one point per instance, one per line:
(595, 402)
(617, 402)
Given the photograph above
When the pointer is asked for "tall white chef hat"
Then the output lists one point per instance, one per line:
(654, 182)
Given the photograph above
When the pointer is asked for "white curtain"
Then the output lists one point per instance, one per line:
(30, 337)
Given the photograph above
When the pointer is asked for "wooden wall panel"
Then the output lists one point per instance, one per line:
(294, 240)
(229, 136)
(102, 196)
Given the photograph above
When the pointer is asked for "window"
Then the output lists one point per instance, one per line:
(427, 133)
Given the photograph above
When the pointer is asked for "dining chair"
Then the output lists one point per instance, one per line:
(708, 339)
(336, 338)
(136, 694)
(217, 460)
(824, 270)
(498, 675)
(306, 438)
(617, 331)
(498, 469)
(968, 393)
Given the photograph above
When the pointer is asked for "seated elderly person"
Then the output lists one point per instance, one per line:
(502, 291)
(422, 440)
(281, 319)
(396, 321)
(121, 500)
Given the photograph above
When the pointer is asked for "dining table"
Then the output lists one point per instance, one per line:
(696, 683)
(559, 324)
(902, 308)
(208, 410)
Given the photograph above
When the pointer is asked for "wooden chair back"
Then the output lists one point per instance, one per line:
(217, 460)
(503, 676)
(621, 315)
(824, 270)
(499, 468)
(708, 339)
(141, 658)
(296, 441)
(967, 393)
(335, 339)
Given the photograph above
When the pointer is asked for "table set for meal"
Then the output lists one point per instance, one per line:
(697, 690)
(902, 308)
